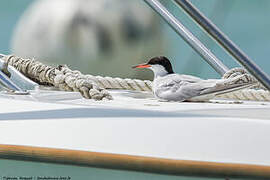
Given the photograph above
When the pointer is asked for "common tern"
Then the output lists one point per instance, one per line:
(170, 86)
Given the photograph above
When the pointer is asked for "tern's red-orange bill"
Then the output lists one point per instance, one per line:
(142, 66)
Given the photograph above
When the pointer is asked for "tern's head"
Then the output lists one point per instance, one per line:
(161, 66)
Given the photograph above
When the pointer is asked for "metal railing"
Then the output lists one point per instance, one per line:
(180, 29)
(215, 33)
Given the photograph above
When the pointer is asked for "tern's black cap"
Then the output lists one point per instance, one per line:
(163, 61)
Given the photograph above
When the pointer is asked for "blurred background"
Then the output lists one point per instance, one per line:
(107, 37)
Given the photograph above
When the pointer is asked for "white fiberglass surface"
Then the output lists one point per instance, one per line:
(138, 125)
(208, 139)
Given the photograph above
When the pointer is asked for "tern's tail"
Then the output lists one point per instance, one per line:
(224, 86)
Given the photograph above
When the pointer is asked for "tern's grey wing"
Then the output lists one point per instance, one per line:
(181, 77)
(180, 87)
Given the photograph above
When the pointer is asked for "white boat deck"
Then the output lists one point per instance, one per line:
(135, 123)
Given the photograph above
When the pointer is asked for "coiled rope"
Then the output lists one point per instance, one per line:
(257, 93)
(93, 87)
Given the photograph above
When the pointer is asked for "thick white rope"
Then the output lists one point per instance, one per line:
(93, 87)
(248, 94)
(61, 77)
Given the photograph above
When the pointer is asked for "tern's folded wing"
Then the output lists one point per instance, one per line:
(180, 87)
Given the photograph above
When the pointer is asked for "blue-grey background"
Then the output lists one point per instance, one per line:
(246, 22)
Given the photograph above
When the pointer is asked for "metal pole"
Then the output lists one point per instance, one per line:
(7, 83)
(180, 29)
(224, 41)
